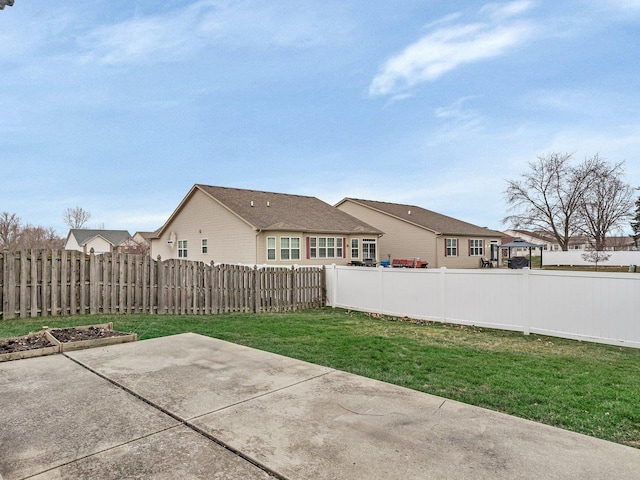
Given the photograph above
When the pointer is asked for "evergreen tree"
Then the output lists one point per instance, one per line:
(635, 223)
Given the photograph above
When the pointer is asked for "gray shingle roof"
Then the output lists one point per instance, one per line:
(424, 218)
(280, 211)
(115, 237)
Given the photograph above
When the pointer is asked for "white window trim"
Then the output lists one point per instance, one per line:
(370, 241)
(183, 249)
(290, 249)
(476, 248)
(274, 248)
(335, 245)
(455, 245)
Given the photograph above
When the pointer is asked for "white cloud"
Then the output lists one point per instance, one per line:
(171, 35)
(458, 123)
(499, 11)
(452, 46)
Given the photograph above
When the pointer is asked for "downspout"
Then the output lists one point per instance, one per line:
(258, 233)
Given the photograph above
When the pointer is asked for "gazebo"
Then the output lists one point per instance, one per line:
(520, 262)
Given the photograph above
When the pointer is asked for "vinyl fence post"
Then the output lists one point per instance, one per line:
(334, 285)
(526, 301)
(381, 295)
(443, 293)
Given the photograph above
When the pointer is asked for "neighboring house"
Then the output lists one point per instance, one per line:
(621, 244)
(101, 241)
(416, 233)
(140, 243)
(613, 243)
(547, 241)
(231, 225)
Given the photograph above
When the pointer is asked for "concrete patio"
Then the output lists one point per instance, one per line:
(190, 406)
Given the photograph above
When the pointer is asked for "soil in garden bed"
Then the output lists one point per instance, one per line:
(65, 335)
(21, 344)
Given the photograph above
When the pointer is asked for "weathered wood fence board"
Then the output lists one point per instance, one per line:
(52, 282)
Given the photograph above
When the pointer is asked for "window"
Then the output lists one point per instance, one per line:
(355, 248)
(368, 248)
(451, 247)
(182, 249)
(289, 248)
(313, 247)
(326, 247)
(271, 248)
(331, 250)
(322, 247)
(205, 245)
(476, 248)
(295, 248)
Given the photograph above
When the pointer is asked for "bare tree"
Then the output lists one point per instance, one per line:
(39, 237)
(76, 217)
(14, 237)
(136, 247)
(547, 198)
(607, 203)
(595, 256)
(10, 228)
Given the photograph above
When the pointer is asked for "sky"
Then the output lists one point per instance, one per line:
(120, 107)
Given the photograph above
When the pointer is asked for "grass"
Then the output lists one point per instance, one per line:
(588, 388)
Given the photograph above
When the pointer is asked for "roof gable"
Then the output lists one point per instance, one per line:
(427, 219)
(114, 237)
(269, 211)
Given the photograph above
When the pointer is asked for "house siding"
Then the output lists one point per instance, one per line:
(202, 217)
(463, 259)
(405, 240)
(401, 239)
(72, 244)
(99, 245)
(237, 233)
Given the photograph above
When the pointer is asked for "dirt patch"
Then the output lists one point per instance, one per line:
(66, 335)
(22, 344)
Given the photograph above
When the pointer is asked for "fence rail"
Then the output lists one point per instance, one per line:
(589, 306)
(52, 282)
(574, 257)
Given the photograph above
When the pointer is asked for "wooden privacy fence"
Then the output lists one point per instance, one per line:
(53, 282)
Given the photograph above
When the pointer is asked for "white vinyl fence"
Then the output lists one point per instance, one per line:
(591, 306)
(574, 257)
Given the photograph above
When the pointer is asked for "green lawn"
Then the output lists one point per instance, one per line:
(588, 388)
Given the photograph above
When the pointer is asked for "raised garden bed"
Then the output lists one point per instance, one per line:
(32, 345)
(49, 341)
(76, 338)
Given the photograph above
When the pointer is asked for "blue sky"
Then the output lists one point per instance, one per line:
(119, 107)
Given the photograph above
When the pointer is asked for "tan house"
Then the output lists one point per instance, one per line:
(415, 233)
(236, 226)
(101, 241)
